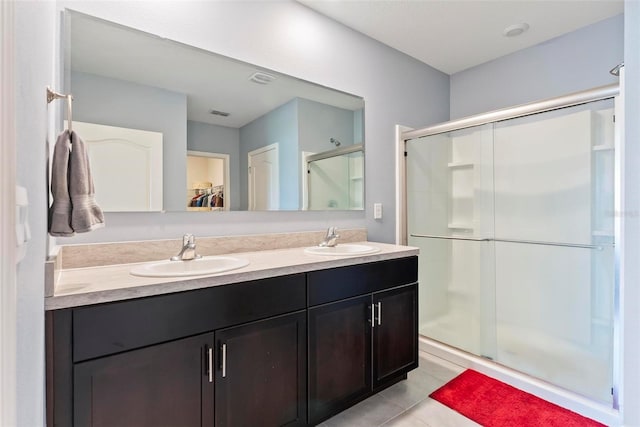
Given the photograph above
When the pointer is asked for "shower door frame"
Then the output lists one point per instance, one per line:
(612, 91)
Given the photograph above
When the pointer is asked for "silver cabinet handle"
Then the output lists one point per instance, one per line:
(224, 360)
(210, 355)
(379, 313)
(373, 315)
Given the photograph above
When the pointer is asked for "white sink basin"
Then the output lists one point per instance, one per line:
(196, 267)
(342, 249)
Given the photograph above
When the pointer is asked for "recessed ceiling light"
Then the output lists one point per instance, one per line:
(515, 29)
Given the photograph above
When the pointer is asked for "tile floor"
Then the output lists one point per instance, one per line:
(407, 403)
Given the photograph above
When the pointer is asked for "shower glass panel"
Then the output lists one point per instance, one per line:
(336, 182)
(514, 221)
(553, 180)
(449, 184)
(450, 205)
(457, 294)
(554, 316)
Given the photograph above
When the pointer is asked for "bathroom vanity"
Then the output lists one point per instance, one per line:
(291, 339)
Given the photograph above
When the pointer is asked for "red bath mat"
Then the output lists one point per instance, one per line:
(492, 403)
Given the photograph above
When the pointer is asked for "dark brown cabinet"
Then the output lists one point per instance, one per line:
(358, 345)
(362, 332)
(283, 351)
(261, 373)
(339, 356)
(395, 333)
(162, 385)
(153, 361)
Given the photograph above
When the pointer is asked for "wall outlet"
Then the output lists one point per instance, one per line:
(377, 211)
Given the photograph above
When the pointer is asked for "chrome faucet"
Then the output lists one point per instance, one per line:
(331, 239)
(188, 251)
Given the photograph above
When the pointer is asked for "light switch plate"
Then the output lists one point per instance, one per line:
(377, 211)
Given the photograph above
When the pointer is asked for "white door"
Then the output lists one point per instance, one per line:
(264, 182)
(126, 165)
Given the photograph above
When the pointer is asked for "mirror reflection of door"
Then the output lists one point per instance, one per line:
(264, 182)
(208, 181)
(135, 185)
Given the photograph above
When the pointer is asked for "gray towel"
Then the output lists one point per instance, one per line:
(60, 210)
(86, 215)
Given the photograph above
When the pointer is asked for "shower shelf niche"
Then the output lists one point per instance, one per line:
(460, 164)
(603, 147)
(460, 226)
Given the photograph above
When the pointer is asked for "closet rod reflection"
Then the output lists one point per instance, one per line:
(527, 242)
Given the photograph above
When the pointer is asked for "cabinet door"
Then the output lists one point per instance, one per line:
(395, 349)
(261, 373)
(339, 356)
(162, 385)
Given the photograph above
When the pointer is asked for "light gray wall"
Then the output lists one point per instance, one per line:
(318, 122)
(219, 139)
(573, 62)
(113, 102)
(35, 25)
(277, 126)
(630, 290)
(289, 38)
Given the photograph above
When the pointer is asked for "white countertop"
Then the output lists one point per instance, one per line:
(94, 285)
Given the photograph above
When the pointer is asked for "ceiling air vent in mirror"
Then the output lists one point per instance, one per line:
(219, 113)
(261, 78)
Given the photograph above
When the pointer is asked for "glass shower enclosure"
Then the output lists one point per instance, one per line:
(335, 180)
(515, 224)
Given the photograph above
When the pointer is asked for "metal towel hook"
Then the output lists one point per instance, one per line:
(616, 70)
(51, 96)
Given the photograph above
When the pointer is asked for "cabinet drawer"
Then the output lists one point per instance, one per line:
(345, 282)
(115, 327)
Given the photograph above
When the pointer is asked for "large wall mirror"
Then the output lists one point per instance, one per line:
(172, 127)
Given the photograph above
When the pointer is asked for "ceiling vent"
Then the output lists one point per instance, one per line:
(218, 113)
(262, 78)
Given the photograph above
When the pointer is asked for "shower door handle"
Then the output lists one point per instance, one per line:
(379, 313)
(437, 236)
(527, 242)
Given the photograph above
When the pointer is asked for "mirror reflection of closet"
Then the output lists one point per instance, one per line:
(207, 181)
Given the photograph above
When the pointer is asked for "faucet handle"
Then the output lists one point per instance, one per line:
(188, 239)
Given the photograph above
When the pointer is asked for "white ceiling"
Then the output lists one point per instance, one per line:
(449, 35)
(208, 80)
(453, 35)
